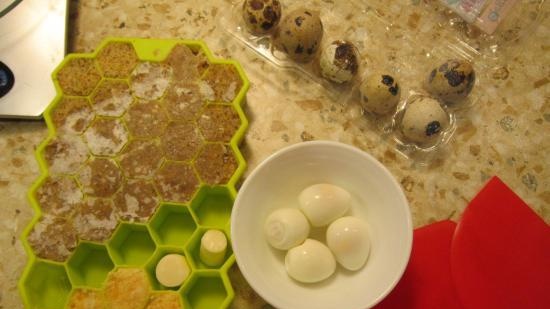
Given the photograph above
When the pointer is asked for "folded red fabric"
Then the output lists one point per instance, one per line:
(426, 282)
(500, 254)
(497, 257)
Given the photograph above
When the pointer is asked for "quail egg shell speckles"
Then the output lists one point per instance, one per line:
(261, 16)
(339, 61)
(300, 34)
(423, 121)
(453, 80)
(380, 93)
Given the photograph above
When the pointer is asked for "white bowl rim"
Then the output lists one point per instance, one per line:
(272, 300)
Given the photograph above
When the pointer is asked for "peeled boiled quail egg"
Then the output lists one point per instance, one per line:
(261, 16)
(299, 34)
(323, 203)
(348, 239)
(380, 93)
(452, 80)
(339, 62)
(423, 121)
(286, 228)
(310, 262)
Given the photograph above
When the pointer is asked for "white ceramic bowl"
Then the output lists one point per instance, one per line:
(376, 198)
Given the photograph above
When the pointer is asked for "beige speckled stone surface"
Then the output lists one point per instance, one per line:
(505, 133)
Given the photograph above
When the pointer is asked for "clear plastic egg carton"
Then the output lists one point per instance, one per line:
(141, 160)
(480, 29)
(386, 47)
(332, 27)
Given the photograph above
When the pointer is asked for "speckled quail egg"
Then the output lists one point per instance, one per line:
(339, 61)
(310, 262)
(348, 239)
(380, 93)
(286, 228)
(423, 120)
(299, 34)
(323, 203)
(261, 16)
(452, 80)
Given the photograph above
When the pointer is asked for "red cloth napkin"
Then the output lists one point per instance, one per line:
(427, 282)
(498, 257)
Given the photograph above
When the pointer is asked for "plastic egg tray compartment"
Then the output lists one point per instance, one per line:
(141, 159)
(515, 23)
(382, 48)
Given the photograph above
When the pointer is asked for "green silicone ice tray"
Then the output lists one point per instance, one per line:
(141, 159)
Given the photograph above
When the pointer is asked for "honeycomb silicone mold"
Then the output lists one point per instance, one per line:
(141, 160)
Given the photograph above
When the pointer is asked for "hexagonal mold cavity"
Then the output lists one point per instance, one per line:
(46, 285)
(112, 98)
(184, 62)
(95, 219)
(149, 80)
(225, 80)
(172, 225)
(176, 182)
(207, 291)
(100, 177)
(72, 115)
(58, 195)
(53, 238)
(141, 158)
(165, 300)
(137, 201)
(78, 76)
(193, 249)
(127, 288)
(218, 123)
(181, 141)
(65, 154)
(82, 298)
(117, 59)
(203, 62)
(216, 164)
(131, 245)
(106, 137)
(212, 206)
(89, 265)
(146, 119)
(150, 268)
(184, 100)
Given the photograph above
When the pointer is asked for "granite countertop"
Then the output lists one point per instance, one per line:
(505, 133)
